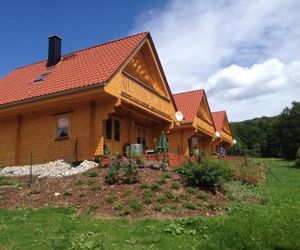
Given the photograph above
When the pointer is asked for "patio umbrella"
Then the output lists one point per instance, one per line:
(163, 143)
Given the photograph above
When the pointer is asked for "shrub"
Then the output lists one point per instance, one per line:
(148, 196)
(67, 192)
(298, 153)
(158, 207)
(112, 172)
(81, 195)
(191, 190)
(110, 198)
(4, 181)
(155, 187)
(127, 193)
(34, 191)
(297, 163)
(203, 197)
(161, 199)
(118, 207)
(130, 170)
(166, 175)
(122, 169)
(79, 182)
(190, 206)
(175, 185)
(91, 174)
(135, 204)
(170, 195)
(210, 174)
(96, 187)
(145, 186)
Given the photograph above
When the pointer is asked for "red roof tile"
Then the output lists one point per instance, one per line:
(218, 118)
(81, 68)
(188, 103)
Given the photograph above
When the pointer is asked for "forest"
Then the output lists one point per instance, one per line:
(277, 136)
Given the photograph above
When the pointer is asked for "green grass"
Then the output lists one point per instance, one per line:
(273, 225)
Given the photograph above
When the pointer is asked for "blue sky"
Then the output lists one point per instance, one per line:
(26, 25)
(245, 54)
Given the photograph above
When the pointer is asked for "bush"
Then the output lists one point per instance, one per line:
(297, 163)
(175, 185)
(110, 198)
(135, 205)
(148, 196)
(209, 173)
(122, 169)
(91, 174)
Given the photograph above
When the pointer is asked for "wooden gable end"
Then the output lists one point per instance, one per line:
(203, 119)
(226, 131)
(141, 82)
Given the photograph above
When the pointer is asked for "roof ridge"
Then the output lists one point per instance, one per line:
(94, 46)
(185, 92)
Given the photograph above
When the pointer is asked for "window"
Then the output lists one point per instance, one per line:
(108, 129)
(112, 129)
(141, 136)
(62, 126)
(117, 130)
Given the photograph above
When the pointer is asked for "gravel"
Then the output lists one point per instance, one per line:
(57, 168)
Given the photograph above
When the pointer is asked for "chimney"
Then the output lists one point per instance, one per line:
(54, 51)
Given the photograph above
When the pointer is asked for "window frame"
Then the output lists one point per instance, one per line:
(57, 117)
(142, 135)
(113, 129)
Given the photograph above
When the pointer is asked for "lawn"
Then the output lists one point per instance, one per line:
(274, 224)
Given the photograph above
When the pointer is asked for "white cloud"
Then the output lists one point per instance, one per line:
(248, 49)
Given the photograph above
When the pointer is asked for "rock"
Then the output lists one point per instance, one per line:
(56, 194)
(57, 168)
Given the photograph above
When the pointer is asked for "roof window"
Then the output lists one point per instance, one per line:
(41, 77)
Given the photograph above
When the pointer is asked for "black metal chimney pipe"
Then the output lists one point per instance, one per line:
(54, 51)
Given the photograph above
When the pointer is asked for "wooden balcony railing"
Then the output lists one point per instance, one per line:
(145, 95)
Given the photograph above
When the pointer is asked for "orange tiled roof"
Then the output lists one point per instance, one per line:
(79, 69)
(218, 118)
(188, 103)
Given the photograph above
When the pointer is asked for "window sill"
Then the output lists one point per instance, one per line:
(64, 138)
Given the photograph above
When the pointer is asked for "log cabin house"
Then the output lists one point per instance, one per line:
(223, 131)
(114, 94)
(197, 129)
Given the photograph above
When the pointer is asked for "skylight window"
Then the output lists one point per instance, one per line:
(41, 77)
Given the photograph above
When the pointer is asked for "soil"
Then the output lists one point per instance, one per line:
(89, 194)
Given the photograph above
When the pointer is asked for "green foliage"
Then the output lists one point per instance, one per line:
(4, 181)
(273, 225)
(277, 136)
(210, 173)
(239, 193)
(127, 193)
(170, 195)
(79, 182)
(297, 163)
(122, 169)
(111, 198)
(82, 194)
(190, 205)
(96, 187)
(175, 185)
(91, 174)
(161, 198)
(203, 197)
(148, 196)
(155, 187)
(118, 206)
(67, 192)
(135, 205)
(34, 191)
(298, 153)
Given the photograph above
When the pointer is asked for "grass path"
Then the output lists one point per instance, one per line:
(273, 225)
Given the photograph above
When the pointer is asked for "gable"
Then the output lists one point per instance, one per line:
(204, 112)
(226, 127)
(144, 68)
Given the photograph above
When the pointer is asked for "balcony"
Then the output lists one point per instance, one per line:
(143, 95)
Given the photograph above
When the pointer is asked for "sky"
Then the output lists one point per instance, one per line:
(245, 54)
